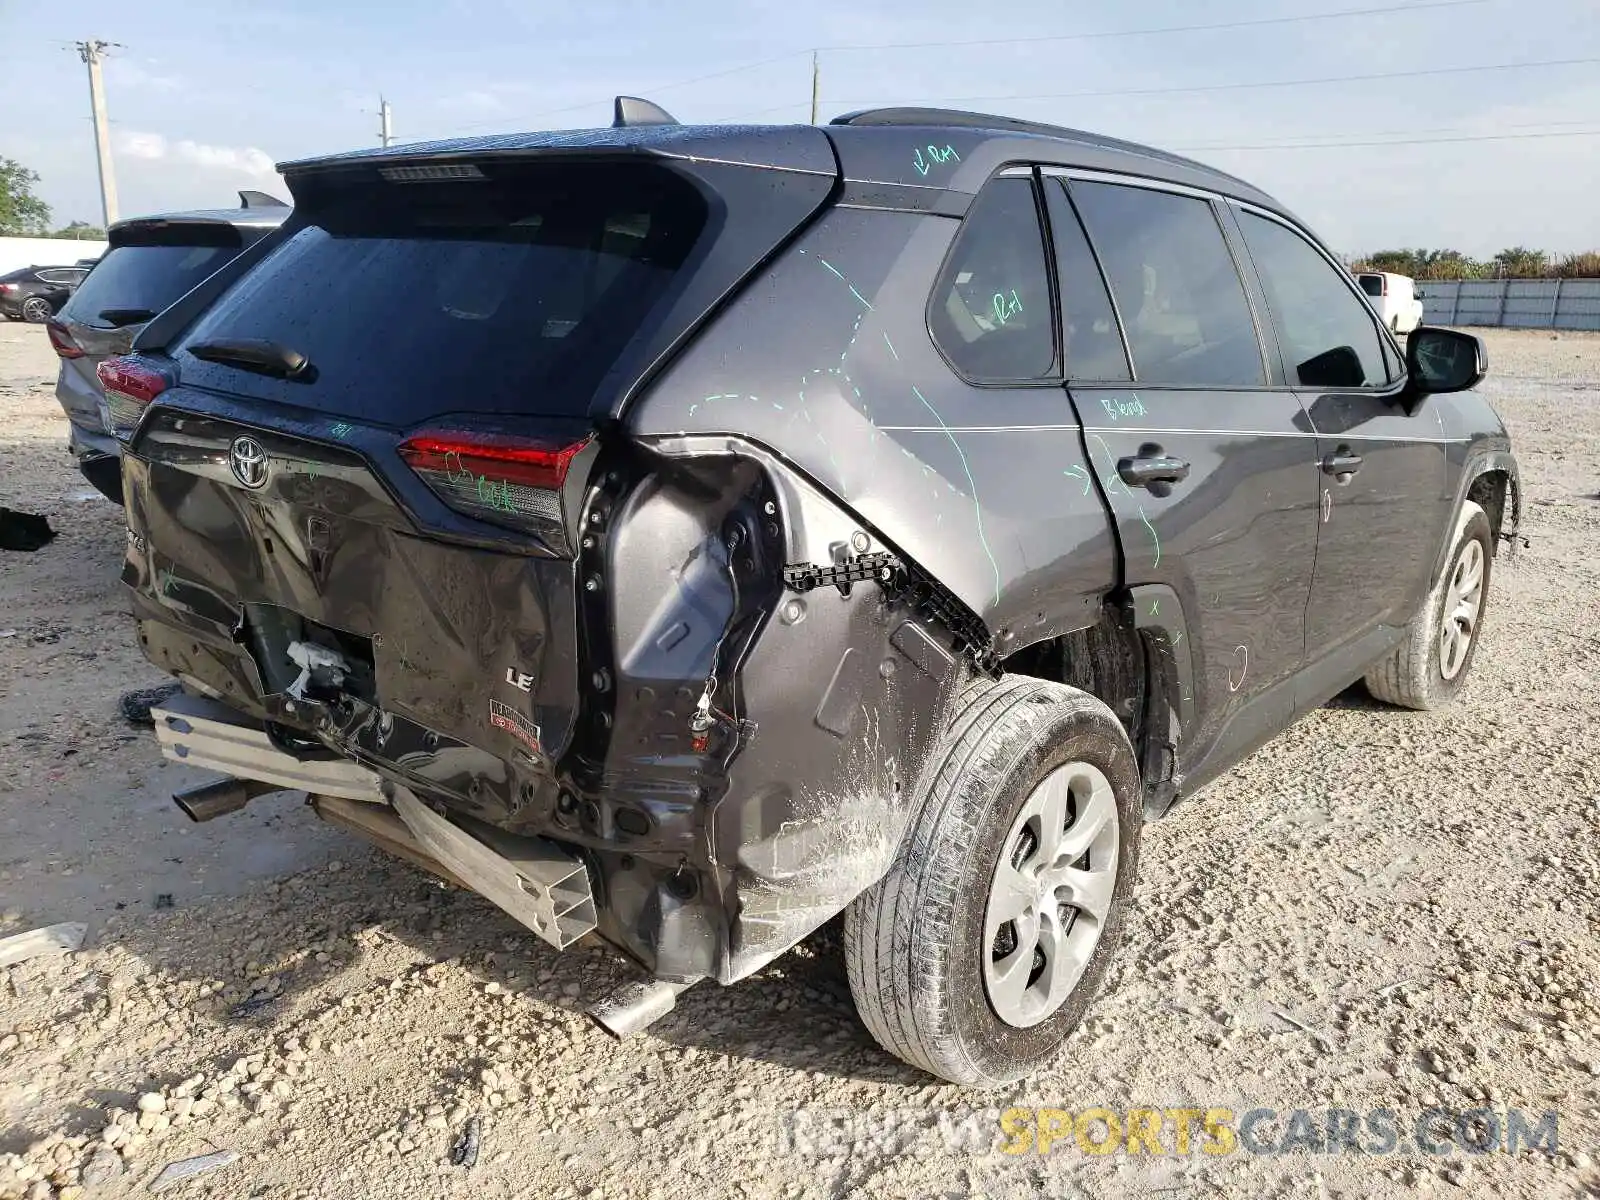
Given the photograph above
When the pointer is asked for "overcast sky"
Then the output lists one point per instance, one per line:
(204, 97)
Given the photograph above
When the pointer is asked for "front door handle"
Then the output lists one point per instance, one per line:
(1341, 464)
(1150, 470)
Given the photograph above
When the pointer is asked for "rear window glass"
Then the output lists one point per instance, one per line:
(1372, 285)
(144, 278)
(509, 294)
(991, 312)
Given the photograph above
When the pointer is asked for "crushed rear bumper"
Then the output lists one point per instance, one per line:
(540, 883)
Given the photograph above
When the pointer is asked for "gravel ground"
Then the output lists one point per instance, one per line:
(1380, 910)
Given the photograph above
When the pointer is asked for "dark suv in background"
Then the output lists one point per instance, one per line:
(149, 263)
(688, 533)
(36, 294)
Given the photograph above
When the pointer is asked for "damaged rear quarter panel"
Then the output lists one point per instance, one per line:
(824, 371)
(842, 697)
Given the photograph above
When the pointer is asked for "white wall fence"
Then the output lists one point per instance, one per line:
(1512, 303)
(18, 252)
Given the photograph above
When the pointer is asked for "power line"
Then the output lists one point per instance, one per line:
(1232, 87)
(1389, 10)
(1487, 137)
(1384, 133)
(665, 87)
(1340, 14)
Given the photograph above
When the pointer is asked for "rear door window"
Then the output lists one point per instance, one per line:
(1372, 285)
(1178, 292)
(990, 312)
(512, 293)
(1092, 346)
(139, 277)
(1328, 336)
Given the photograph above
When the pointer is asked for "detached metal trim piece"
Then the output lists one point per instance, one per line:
(533, 879)
(203, 733)
(637, 1005)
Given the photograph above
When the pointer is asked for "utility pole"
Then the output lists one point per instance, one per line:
(385, 131)
(92, 52)
(816, 84)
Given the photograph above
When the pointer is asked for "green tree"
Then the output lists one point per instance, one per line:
(81, 231)
(21, 212)
(1519, 262)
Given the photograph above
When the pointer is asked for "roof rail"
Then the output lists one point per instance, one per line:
(249, 198)
(632, 111)
(950, 117)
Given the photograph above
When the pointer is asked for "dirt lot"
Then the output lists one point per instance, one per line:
(1382, 910)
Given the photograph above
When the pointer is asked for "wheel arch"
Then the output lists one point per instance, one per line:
(1491, 480)
(1136, 660)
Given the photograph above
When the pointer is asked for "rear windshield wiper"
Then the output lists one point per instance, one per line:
(258, 355)
(118, 317)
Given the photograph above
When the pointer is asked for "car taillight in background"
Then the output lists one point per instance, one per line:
(514, 482)
(130, 387)
(8, 287)
(62, 341)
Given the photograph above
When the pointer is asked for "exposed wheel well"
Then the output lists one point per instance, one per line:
(1491, 491)
(1110, 660)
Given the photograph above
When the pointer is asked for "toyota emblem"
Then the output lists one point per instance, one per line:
(248, 458)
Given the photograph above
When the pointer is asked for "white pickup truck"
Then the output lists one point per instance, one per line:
(1394, 298)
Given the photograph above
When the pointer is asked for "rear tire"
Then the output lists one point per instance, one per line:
(1028, 773)
(36, 310)
(1430, 666)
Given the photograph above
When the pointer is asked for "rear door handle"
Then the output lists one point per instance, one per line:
(1147, 469)
(1341, 464)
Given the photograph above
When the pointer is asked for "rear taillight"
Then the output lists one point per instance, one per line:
(8, 287)
(515, 482)
(130, 387)
(65, 347)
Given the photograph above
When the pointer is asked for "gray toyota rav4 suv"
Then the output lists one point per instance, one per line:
(689, 534)
(151, 261)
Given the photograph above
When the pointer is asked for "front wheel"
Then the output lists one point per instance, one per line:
(981, 949)
(1430, 666)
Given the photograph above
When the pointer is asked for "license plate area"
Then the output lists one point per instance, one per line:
(307, 660)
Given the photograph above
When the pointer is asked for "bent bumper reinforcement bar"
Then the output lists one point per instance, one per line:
(203, 733)
(535, 880)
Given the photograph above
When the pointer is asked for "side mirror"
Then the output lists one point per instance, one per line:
(1445, 360)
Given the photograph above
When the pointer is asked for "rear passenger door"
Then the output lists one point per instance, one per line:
(1383, 471)
(1205, 462)
(59, 283)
